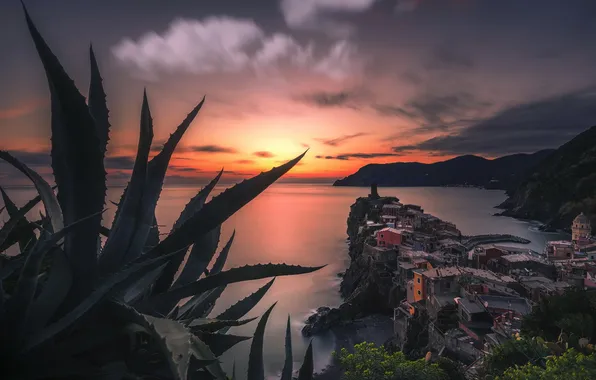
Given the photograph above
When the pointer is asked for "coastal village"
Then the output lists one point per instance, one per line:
(461, 296)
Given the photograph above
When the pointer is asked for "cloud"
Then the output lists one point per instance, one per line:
(337, 141)
(227, 44)
(347, 156)
(437, 112)
(264, 154)
(22, 109)
(528, 127)
(211, 149)
(245, 162)
(43, 159)
(329, 99)
(313, 14)
(448, 57)
(405, 6)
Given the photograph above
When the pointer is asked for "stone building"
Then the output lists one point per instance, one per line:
(581, 228)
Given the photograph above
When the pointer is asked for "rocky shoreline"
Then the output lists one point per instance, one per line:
(368, 287)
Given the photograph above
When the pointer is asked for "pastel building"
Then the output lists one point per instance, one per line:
(389, 237)
(580, 228)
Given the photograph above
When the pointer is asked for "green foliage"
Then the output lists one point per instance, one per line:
(74, 308)
(571, 364)
(573, 313)
(513, 352)
(369, 362)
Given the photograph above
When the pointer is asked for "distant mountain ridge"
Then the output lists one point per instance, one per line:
(469, 170)
(559, 187)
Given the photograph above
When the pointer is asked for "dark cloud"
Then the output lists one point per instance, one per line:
(437, 112)
(211, 149)
(528, 127)
(327, 99)
(264, 154)
(43, 159)
(337, 141)
(187, 169)
(347, 156)
(449, 57)
(244, 161)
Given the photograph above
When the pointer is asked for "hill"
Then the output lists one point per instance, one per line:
(500, 173)
(560, 187)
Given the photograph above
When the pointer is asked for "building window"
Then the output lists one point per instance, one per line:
(418, 280)
(448, 285)
(419, 292)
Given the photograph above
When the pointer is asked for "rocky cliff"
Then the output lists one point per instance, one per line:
(560, 187)
(500, 173)
(364, 291)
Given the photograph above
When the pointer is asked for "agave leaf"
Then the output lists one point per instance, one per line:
(202, 352)
(213, 325)
(223, 256)
(220, 208)
(142, 287)
(245, 273)
(219, 343)
(196, 203)
(97, 104)
(115, 283)
(53, 293)
(119, 244)
(306, 371)
(50, 202)
(9, 268)
(175, 340)
(19, 305)
(7, 228)
(156, 172)
(201, 305)
(26, 235)
(256, 370)
(153, 237)
(77, 162)
(286, 373)
(200, 256)
(242, 307)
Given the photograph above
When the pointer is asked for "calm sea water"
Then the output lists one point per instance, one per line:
(305, 224)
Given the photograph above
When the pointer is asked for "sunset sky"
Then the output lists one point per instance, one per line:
(357, 81)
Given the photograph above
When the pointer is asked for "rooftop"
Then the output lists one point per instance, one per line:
(523, 257)
(517, 304)
(565, 243)
(471, 307)
(465, 271)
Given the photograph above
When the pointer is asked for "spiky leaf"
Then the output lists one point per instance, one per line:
(212, 325)
(8, 227)
(115, 283)
(223, 256)
(97, 104)
(221, 207)
(201, 351)
(196, 203)
(117, 250)
(26, 236)
(245, 305)
(200, 306)
(219, 343)
(201, 254)
(50, 202)
(78, 166)
(306, 371)
(245, 273)
(286, 373)
(256, 370)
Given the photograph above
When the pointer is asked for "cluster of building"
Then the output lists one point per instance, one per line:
(474, 296)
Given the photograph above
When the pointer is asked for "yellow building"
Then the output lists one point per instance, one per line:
(580, 228)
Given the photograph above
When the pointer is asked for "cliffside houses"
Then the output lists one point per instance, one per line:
(470, 294)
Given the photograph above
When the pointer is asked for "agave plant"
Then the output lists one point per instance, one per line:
(74, 308)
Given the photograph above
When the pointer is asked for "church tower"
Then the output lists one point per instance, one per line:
(580, 228)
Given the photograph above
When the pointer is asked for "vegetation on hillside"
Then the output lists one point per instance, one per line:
(78, 309)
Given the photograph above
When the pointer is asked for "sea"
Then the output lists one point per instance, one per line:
(305, 224)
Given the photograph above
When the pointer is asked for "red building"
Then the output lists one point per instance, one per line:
(389, 237)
